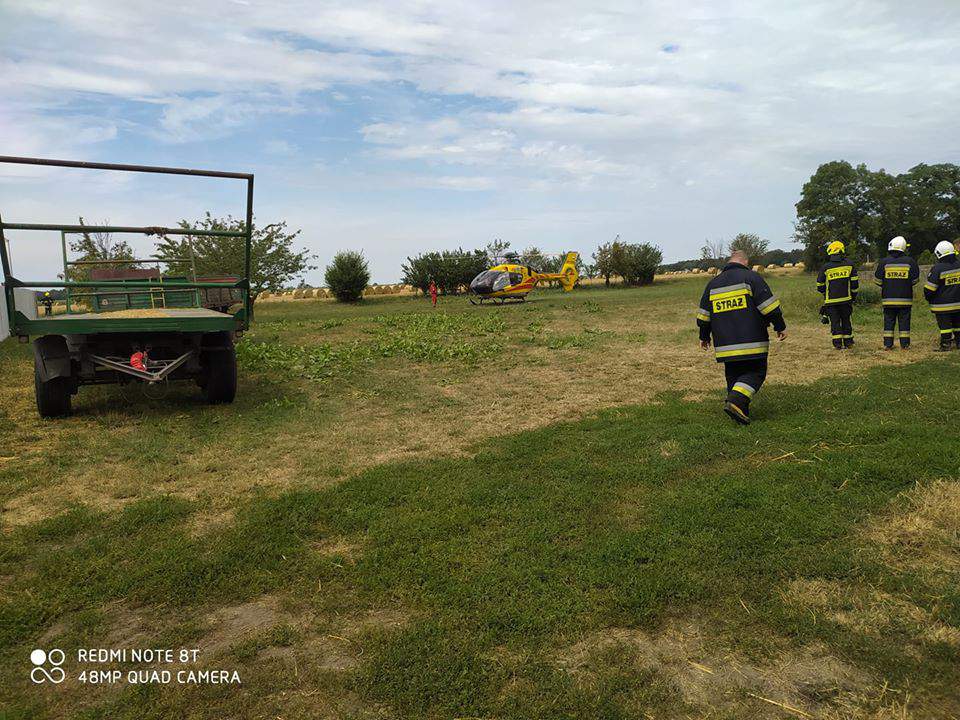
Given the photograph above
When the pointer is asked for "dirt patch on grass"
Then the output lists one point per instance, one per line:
(233, 624)
(266, 627)
(809, 680)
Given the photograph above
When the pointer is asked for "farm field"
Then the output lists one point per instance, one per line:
(530, 511)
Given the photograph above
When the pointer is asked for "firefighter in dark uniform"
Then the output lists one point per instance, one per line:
(735, 310)
(942, 291)
(896, 275)
(838, 283)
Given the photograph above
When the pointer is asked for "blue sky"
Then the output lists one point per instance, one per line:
(397, 127)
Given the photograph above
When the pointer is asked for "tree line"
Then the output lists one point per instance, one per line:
(715, 253)
(452, 270)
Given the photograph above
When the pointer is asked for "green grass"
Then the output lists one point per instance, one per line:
(543, 535)
(501, 556)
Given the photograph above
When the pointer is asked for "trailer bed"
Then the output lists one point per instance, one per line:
(145, 320)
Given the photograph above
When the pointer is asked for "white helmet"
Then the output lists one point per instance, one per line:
(898, 243)
(943, 249)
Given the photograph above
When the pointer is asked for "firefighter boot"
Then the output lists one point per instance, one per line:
(737, 407)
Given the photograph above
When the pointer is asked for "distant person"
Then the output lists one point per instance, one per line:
(433, 293)
(47, 304)
(942, 291)
(735, 310)
(896, 275)
(839, 283)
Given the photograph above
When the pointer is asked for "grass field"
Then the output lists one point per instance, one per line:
(535, 511)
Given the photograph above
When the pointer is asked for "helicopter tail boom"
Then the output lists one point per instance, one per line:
(568, 275)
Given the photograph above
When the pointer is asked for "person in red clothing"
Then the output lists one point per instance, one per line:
(433, 292)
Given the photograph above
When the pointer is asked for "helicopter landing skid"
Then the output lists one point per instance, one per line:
(498, 300)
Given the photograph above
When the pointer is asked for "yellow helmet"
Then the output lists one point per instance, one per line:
(836, 248)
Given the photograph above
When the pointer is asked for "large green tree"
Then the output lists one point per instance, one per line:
(835, 205)
(864, 209)
(274, 260)
(930, 200)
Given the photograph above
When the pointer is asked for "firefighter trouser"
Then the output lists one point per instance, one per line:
(841, 331)
(892, 316)
(949, 323)
(744, 378)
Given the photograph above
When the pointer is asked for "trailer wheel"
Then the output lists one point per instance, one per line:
(53, 396)
(218, 358)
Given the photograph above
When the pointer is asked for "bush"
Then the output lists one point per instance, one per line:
(637, 264)
(347, 276)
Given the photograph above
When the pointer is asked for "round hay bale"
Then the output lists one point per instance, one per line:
(800, 265)
(772, 266)
(758, 268)
(786, 265)
(298, 293)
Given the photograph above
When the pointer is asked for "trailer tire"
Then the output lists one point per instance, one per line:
(218, 358)
(53, 396)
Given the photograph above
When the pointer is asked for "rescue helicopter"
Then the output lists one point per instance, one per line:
(512, 282)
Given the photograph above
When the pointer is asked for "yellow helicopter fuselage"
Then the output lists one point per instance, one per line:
(510, 281)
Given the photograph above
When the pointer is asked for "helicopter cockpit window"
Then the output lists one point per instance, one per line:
(502, 281)
(515, 278)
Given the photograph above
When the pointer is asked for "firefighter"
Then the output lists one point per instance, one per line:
(838, 283)
(942, 291)
(47, 304)
(896, 275)
(735, 310)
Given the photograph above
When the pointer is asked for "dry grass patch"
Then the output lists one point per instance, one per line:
(804, 682)
(338, 547)
(869, 611)
(923, 533)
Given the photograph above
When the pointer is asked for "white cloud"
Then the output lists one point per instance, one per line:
(580, 98)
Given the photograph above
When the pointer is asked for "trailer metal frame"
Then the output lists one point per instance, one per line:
(24, 327)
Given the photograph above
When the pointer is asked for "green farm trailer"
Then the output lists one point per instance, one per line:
(130, 325)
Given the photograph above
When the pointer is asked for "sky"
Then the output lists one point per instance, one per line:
(404, 126)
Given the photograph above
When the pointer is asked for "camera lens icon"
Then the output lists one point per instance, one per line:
(40, 658)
